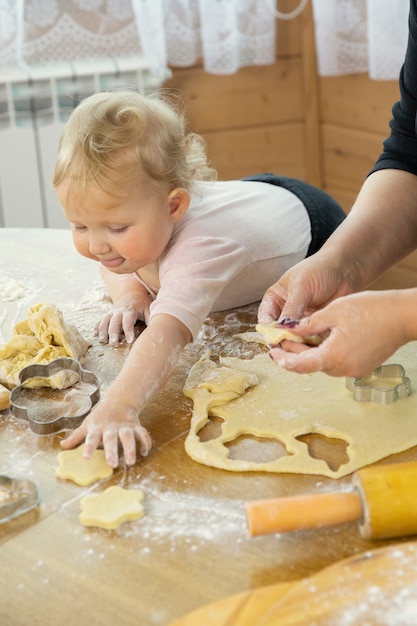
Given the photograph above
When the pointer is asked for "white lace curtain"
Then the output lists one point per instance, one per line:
(352, 35)
(227, 34)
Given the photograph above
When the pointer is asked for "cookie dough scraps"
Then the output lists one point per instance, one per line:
(41, 338)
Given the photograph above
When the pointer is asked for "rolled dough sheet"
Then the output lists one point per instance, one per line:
(73, 466)
(111, 508)
(284, 406)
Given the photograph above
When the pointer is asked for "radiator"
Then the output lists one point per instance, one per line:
(34, 106)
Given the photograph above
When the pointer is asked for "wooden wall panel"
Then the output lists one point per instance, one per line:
(254, 96)
(355, 101)
(348, 155)
(278, 148)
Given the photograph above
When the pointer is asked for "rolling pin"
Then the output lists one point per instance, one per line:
(383, 502)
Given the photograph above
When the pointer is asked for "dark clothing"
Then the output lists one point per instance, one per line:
(324, 212)
(400, 148)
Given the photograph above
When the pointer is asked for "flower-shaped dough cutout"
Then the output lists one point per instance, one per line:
(73, 466)
(111, 508)
(386, 384)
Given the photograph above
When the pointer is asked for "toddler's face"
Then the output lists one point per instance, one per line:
(125, 234)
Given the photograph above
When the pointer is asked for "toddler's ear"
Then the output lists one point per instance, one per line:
(179, 201)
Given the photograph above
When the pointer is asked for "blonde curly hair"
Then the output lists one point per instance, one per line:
(114, 137)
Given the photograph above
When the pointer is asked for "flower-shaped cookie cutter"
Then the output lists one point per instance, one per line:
(17, 496)
(385, 385)
(49, 410)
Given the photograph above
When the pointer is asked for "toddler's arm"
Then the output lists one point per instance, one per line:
(147, 368)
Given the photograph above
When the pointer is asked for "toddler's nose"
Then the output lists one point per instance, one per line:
(98, 245)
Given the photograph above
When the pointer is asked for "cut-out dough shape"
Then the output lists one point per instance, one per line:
(111, 508)
(41, 338)
(73, 466)
(274, 333)
(285, 406)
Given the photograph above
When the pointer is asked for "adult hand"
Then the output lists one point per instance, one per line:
(306, 287)
(126, 311)
(359, 331)
(111, 422)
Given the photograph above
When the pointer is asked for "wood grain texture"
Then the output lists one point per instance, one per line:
(359, 590)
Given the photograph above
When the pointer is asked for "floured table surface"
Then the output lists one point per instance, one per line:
(192, 546)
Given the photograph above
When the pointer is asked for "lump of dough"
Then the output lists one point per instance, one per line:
(61, 380)
(41, 338)
(111, 508)
(4, 398)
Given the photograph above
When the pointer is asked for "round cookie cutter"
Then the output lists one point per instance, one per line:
(50, 410)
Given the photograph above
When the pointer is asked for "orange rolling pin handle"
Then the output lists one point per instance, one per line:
(302, 512)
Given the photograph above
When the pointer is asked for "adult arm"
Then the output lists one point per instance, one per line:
(380, 230)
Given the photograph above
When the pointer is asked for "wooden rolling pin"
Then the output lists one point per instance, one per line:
(383, 502)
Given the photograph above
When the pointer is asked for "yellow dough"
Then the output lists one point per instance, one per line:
(41, 338)
(73, 466)
(111, 508)
(61, 380)
(286, 407)
(274, 333)
(4, 398)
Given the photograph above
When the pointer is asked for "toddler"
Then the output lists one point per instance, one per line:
(172, 242)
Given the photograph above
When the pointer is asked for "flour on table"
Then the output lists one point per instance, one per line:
(10, 289)
(286, 407)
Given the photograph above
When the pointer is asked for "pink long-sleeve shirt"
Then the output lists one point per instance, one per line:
(236, 239)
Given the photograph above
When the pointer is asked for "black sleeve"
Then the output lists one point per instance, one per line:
(400, 148)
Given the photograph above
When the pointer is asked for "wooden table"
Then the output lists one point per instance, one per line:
(192, 546)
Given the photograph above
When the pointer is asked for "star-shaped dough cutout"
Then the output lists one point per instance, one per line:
(111, 508)
(73, 466)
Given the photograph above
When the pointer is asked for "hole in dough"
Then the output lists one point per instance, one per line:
(211, 430)
(251, 448)
(332, 450)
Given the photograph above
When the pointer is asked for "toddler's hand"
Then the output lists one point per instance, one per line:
(123, 317)
(109, 423)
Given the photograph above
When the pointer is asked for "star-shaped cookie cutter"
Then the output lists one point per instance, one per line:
(86, 393)
(385, 385)
(17, 496)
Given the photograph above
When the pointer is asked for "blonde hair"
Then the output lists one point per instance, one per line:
(114, 137)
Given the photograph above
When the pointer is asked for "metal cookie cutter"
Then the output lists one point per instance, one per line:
(52, 409)
(16, 497)
(385, 385)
